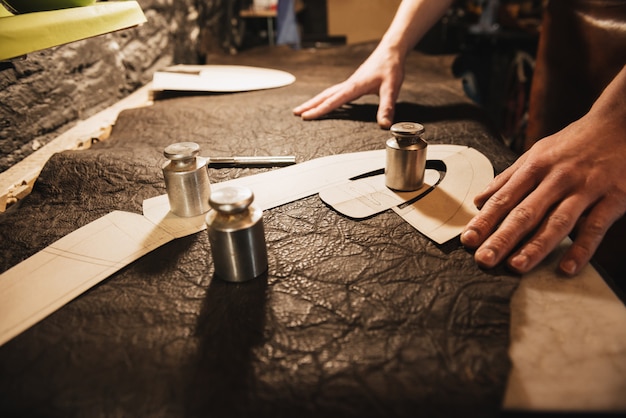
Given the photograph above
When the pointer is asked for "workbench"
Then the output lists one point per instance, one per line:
(355, 318)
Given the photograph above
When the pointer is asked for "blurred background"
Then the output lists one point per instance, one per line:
(49, 91)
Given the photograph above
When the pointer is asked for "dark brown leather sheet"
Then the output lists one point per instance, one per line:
(354, 318)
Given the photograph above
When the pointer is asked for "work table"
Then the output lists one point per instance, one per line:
(354, 318)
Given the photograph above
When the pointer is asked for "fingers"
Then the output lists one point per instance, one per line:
(497, 201)
(515, 210)
(497, 183)
(384, 116)
(334, 97)
(320, 104)
(331, 99)
(590, 234)
(540, 222)
(516, 226)
(388, 93)
(553, 229)
(309, 104)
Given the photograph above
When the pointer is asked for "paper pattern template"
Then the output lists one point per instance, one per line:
(276, 187)
(219, 78)
(46, 281)
(368, 196)
(38, 286)
(443, 213)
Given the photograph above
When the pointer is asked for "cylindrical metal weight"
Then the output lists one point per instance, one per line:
(236, 235)
(406, 157)
(186, 178)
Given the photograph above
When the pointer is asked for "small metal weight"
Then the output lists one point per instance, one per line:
(186, 179)
(236, 235)
(406, 157)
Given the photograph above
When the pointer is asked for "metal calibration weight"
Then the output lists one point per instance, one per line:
(406, 157)
(186, 179)
(236, 235)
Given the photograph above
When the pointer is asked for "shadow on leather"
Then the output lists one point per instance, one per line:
(404, 111)
(229, 326)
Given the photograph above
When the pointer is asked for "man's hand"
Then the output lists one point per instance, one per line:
(574, 180)
(382, 73)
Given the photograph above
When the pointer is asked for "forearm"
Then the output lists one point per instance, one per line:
(412, 20)
(611, 105)
(382, 72)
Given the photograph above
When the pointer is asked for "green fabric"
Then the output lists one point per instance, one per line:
(25, 33)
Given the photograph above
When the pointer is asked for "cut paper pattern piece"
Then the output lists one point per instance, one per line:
(219, 78)
(276, 187)
(157, 210)
(44, 282)
(441, 218)
(443, 213)
(368, 196)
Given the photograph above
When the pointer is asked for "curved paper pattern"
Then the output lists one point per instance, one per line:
(368, 196)
(97, 250)
(442, 214)
(219, 78)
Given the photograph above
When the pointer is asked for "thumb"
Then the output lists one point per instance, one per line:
(386, 108)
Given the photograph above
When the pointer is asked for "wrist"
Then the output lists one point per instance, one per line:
(394, 48)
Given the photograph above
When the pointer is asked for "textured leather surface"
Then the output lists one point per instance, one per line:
(354, 318)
